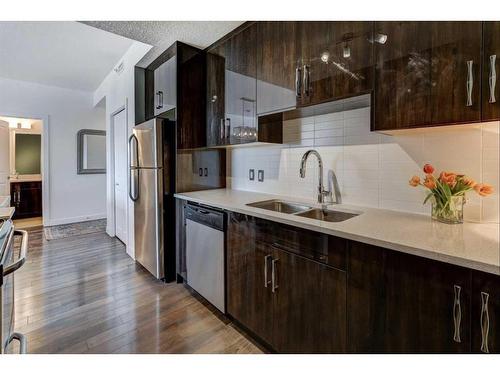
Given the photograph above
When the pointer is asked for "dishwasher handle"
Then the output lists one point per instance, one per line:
(204, 215)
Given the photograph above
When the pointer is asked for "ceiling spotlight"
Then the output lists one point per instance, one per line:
(325, 56)
(380, 38)
(346, 51)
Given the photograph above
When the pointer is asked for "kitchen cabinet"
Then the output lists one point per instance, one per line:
(293, 303)
(485, 313)
(398, 303)
(249, 297)
(26, 197)
(336, 59)
(426, 74)
(490, 71)
(279, 78)
(215, 100)
(175, 80)
(234, 89)
(165, 86)
(456, 72)
(309, 305)
(305, 63)
(402, 95)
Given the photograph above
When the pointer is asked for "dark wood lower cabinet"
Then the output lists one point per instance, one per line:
(485, 313)
(309, 306)
(399, 303)
(248, 300)
(373, 300)
(26, 197)
(294, 304)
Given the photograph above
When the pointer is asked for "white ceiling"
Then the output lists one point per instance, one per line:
(65, 54)
(162, 34)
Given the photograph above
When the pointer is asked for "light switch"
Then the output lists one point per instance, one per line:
(260, 175)
(251, 174)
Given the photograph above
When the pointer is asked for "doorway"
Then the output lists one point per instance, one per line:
(119, 132)
(21, 169)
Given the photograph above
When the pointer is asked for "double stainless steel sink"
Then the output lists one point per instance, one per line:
(302, 210)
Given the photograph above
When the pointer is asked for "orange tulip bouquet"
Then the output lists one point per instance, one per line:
(448, 193)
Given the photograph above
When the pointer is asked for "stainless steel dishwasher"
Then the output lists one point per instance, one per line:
(205, 252)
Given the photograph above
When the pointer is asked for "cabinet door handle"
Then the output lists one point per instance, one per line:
(492, 79)
(457, 313)
(222, 129)
(266, 282)
(470, 82)
(307, 77)
(160, 100)
(274, 276)
(298, 82)
(485, 322)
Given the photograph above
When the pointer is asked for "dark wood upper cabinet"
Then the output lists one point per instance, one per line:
(402, 95)
(353, 51)
(400, 303)
(215, 99)
(485, 313)
(456, 72)
(336, 60)
(278, 60)
(191, 131)
(309, 305)
(427, 74)
(173, 87)
(237, 84)
(491, 70)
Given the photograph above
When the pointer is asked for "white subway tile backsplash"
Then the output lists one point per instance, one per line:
(372, 169)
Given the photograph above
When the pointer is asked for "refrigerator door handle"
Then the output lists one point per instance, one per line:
(131, 180)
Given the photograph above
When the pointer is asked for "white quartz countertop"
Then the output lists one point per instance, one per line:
(6, 212)
(472, 245)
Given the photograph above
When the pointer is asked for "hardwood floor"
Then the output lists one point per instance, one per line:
(85, 295)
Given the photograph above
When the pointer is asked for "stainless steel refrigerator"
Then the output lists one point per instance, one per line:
(151, 151)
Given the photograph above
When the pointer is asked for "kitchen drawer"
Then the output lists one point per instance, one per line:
(318, 246)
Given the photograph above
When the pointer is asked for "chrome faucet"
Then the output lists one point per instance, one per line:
(324, 196)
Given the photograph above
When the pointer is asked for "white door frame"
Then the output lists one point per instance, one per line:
(111, 224)
(45, 171)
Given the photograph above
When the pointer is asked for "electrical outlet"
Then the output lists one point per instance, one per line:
(260, 175)
(251, 174)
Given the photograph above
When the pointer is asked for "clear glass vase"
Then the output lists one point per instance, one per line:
(450, 211)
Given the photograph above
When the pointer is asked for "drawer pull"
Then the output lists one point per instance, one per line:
(457, 313)
(307, 80)
(274, 275)
(470, 82)
(485, 322)
(298, 82)
(266, 282)
(492, 79)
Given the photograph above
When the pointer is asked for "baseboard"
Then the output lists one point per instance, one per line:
(76, 219)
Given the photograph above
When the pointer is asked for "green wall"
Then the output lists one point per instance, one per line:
(28, 151)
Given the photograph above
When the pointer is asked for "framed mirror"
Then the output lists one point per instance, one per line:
(91, 150)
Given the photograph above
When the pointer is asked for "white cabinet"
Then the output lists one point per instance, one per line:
(165, 86)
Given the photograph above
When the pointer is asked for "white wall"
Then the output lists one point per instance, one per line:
(373, 169)
(117, 90)
(71, 197)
